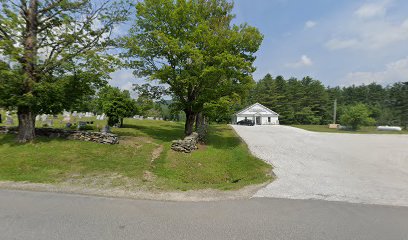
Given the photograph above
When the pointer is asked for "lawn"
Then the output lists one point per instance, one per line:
(143, 159)
(363, 130)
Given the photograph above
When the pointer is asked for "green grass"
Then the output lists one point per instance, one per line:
(224, 163)
(363, 130)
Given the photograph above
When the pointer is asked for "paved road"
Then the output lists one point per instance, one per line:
(36, 215)
(361, 168)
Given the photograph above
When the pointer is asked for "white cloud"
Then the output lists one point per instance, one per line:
(304, 61)
(394, 72)
(371, 10)
(370, 35)
(310, 24)
(335, 43)
(124, 79)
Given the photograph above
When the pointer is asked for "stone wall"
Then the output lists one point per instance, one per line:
(4, 130)
(187, 145)
(98, 137)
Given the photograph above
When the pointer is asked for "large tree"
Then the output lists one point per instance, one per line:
(46, 42)
(192, 46)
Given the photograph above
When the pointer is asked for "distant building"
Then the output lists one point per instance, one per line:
(257, 113)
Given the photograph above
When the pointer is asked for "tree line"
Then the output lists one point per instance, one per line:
(308, 101)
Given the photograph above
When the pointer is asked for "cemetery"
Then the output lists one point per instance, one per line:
(139, 155)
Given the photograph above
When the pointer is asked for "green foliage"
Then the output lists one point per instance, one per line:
(296, 101)
(356, 116)
(58, 51)
(307, 101)
(116, 104)
(193, 47)
(398, 100)
(86, 128)
(220, 111)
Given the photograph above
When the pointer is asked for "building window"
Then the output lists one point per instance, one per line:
(269, 119)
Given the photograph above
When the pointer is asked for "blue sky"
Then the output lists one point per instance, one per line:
(337, 42)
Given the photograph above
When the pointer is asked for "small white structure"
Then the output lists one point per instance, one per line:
(389, 128)
(259, 114)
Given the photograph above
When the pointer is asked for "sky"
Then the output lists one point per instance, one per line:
(337, 42)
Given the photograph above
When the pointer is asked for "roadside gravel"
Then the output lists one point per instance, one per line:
(360, 168)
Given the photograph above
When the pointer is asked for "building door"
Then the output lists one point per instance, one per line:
(258, 120)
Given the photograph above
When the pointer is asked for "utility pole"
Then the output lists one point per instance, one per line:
(335, 111)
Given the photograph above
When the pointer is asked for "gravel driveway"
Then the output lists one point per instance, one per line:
(362, 168)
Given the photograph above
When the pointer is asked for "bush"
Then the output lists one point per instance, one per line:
(86, 128)
(356, 116)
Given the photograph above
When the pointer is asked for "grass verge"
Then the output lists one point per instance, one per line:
(363, 130)
(143, 159)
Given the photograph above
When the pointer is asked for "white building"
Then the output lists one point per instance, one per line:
(259, 114)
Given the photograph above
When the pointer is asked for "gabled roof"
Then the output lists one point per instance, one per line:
(256, 105)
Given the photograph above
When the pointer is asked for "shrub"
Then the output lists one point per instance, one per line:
(356, 116)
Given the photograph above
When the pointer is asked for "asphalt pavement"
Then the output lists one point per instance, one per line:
(29, 215)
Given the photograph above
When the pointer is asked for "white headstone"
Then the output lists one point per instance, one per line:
(44, 117)
(67, 118)
(65, 113)
(50, 123)
(9, 120)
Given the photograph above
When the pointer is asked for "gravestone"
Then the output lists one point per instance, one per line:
(9, 120)
(75, 113)
(102, 117)
(65, 113)
(44, 117)
(37, 118)
(67, 118)
(106, 129)
(50, 123)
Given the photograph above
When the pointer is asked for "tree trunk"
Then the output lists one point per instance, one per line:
(26, 117)
(201, 127)
(26, 124)
(189, 126)
(199, 120)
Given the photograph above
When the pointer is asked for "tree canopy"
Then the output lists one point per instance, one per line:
(192, 46)
(356, 115)
(308, 101)
(53, 48)
(117, 104)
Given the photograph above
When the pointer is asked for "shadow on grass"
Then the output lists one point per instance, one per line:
(11, 140)
(166, 133)
(220, 136)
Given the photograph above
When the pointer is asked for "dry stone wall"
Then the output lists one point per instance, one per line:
(98, 137)
(187, 145)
